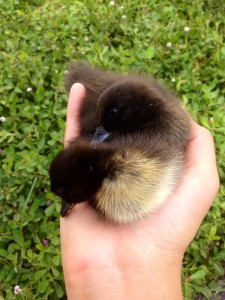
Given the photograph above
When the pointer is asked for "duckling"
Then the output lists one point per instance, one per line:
(130, 156)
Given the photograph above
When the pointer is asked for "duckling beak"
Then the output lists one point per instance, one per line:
(100, 135)
(65, 208)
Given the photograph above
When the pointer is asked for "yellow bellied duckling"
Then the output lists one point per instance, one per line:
(136, 155)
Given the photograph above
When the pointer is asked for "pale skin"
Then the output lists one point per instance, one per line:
(143, 260)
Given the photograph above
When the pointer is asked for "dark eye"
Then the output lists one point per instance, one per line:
(113, 112)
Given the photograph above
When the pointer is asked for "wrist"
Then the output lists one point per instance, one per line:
(157, 279)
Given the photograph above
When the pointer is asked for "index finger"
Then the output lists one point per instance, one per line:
(76, 96)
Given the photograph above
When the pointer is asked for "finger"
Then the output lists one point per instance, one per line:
(76, 97)
(200, 183)
(201, 161)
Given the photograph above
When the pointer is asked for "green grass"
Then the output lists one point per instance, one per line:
(37, 40)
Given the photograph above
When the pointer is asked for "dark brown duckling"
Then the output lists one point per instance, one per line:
(136, 156)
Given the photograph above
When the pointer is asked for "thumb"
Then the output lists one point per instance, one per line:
(76, 97)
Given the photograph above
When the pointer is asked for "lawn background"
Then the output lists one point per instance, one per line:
(37, 40)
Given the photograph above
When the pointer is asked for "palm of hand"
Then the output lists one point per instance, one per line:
(89, 241)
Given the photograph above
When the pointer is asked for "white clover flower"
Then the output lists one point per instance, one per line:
(168, 45)
(17, 290)
(29, 89)
(2, 119)
(186, 28)
(66, 72)
(211, 120)
(86, 38)
(121, 7)
(73, 37)
(112, 3)
(173, 79)
(56, 71)
(124, 16)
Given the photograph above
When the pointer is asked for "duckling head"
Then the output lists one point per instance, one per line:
(134, 105)
(77, 173)
(125, 107)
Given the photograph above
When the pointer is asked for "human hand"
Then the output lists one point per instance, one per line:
(102, 260)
